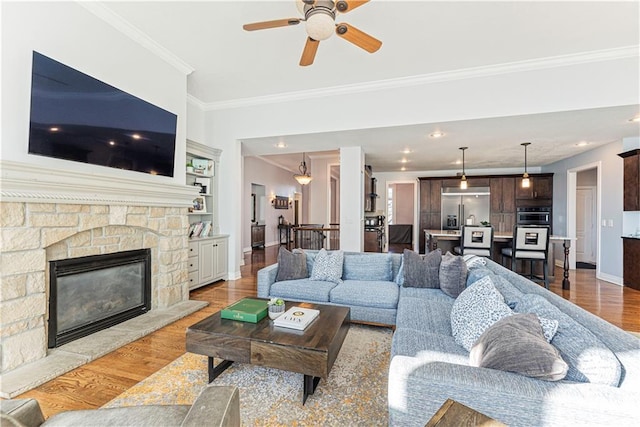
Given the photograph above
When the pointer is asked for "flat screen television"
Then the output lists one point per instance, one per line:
(79, 118)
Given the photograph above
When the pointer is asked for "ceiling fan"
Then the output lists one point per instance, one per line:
(320, 17)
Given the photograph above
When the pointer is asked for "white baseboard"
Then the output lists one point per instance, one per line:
(235, 276)
(616, 280)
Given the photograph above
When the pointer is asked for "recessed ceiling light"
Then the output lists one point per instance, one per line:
(635, 119)
(54, 129)
(136, 136)
(406, 151)
(112, 143)
(403, 169)
(581, 144)
(436, 134)
(404, 161)
(280, 145)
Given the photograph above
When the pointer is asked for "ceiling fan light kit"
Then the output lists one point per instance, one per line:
(320, 19)
(320, 24)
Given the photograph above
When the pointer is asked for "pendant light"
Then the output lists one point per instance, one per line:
(303, 177)
(463, 180)
(526, 181)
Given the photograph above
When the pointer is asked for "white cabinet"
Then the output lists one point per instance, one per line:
(207, 260)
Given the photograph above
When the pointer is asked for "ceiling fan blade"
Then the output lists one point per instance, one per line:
(271, 24)
(345, 6)
(309, 52)
(357, 37)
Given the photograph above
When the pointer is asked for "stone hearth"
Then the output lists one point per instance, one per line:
(35, 233)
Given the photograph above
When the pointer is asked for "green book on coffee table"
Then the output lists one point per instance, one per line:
(246, 310)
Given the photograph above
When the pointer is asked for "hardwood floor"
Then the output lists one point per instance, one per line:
(96, 383)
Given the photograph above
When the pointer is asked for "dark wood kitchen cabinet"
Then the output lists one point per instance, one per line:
(430, 207)
(503, 203)
(631, 262)
(631, 198)
(541, 188)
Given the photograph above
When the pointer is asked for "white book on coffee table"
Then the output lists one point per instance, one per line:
(296, 318)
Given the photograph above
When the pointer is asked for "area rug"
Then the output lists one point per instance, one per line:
(354, 394)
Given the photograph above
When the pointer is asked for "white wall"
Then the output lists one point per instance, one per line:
(195, 123)
(610, 264)
(319, 189)
(69, 33)
(277, 182)
(352, 206)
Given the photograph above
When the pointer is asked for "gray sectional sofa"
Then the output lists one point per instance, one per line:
(428, 364)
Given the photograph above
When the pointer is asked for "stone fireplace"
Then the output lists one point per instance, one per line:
(36, 233)
(76, 217)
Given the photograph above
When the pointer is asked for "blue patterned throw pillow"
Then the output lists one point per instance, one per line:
(328, 266)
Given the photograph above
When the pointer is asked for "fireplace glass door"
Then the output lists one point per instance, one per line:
(96, 292)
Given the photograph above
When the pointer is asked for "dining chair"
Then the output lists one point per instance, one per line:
(530, 242)
(475, 240)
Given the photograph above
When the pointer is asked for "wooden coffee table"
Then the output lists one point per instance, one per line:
(311, 352)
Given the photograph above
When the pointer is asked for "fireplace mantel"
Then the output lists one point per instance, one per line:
(20, 182)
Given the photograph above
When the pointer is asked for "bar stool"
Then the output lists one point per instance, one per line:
(475, 240)
(530, 242)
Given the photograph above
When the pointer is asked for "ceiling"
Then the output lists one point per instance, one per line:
(419, 38)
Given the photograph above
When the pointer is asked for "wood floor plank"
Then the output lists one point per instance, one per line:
(96, 383)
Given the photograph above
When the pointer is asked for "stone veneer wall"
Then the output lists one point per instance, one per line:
(35, 233)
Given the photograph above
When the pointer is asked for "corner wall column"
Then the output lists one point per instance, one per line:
(351, 199)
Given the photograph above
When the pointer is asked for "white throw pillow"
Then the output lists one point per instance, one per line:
(327, 266)
(476, 309)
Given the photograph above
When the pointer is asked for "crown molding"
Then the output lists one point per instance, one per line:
(278, 165)
(125, 27)
(444, 76)
(196, 102)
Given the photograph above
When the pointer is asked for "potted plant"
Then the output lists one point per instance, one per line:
(189, 166)
(276, 307)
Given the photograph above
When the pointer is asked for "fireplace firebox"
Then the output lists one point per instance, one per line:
(92, 293)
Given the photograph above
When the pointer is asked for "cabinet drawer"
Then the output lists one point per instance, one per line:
(193, 279)
(193, 248)
(192, 264)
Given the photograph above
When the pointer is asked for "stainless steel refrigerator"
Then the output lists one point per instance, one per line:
(464, 207)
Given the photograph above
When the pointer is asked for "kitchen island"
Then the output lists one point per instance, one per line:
(431, 238)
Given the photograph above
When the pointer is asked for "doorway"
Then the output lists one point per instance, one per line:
(402, 215)
(586, 225)
(583, 215)
(257, 225)
(334, 195)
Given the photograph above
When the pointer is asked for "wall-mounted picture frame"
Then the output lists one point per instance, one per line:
(199, 205)
(281, 202)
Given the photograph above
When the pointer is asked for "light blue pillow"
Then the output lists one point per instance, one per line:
(475, 310)
(328, 266)
(367, 267)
